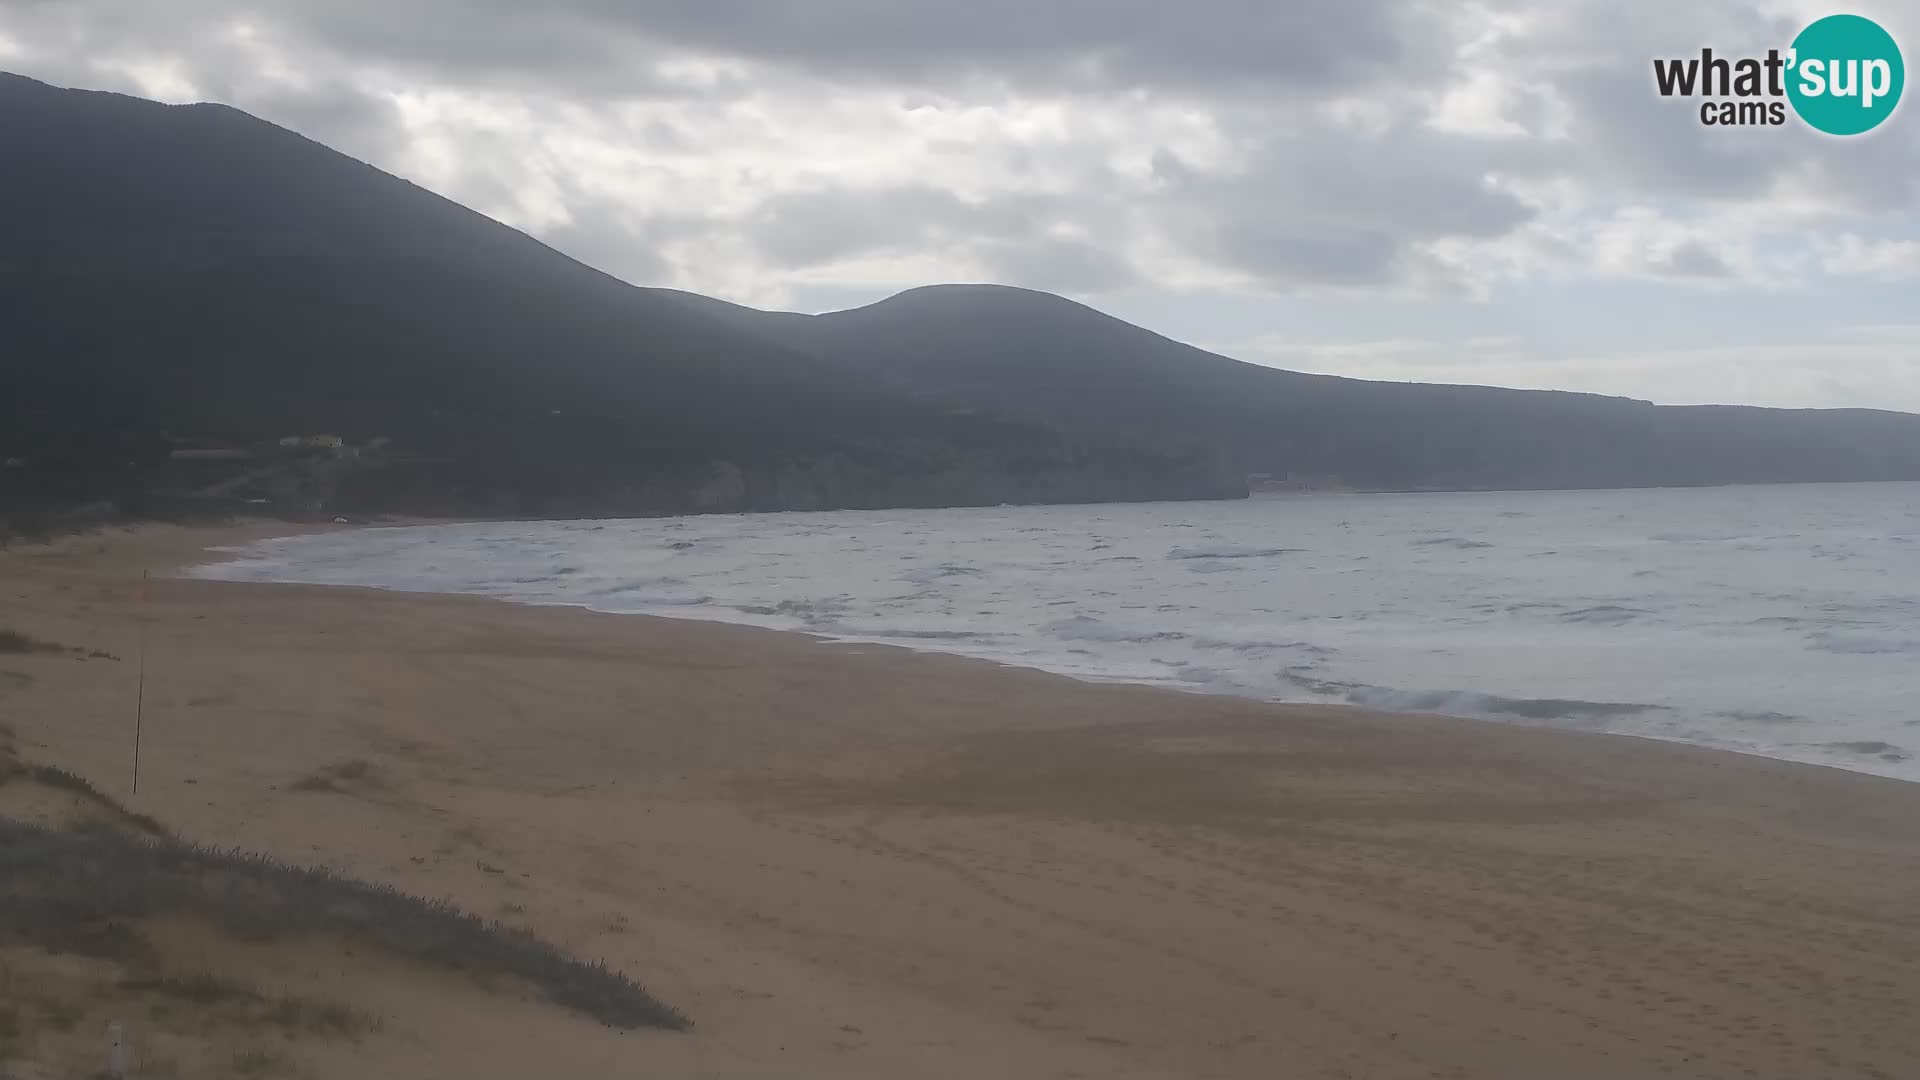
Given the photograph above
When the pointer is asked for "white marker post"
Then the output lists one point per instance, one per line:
(117, 1051)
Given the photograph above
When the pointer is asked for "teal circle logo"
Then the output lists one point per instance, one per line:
(1846, 75)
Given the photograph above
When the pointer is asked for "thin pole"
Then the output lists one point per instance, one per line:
(140, 695)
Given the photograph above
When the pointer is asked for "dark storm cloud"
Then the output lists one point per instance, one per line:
(1013, 237)
(1088, 44)
(1298, 214)
(1417, 186)
(610, 49)
(1277, 189)
(1598, 62)
(1660, 145)
(1692, 260)
(608, 238)
(1291, 251)
(1879, 173)
(69, 43)
(1059, 264)
(1657, 146)
(812, 227)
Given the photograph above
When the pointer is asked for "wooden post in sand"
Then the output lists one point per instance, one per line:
(140, 692)
(116, 1051)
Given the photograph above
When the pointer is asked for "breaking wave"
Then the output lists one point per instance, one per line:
(1473, 704)
(1458, 543)
(1604, 615)
(1083, 628)
(1706, 616)
(928, 574)
(1862, 645)
(1228, 551)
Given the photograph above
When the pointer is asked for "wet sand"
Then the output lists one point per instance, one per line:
(857, 861)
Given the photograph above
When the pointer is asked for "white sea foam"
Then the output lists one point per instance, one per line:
(1082, 628)
(1774, 620)
(1226, 551)
(1866, 646)
(1458, 543)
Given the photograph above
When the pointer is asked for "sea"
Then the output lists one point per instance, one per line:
(1779, 620)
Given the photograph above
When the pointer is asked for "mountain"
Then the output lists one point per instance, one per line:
(200, 308)
(184, 287)
(1031, 353)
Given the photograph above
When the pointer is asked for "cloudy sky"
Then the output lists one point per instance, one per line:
(1484, 192)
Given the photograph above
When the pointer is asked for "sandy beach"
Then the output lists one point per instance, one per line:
(854, 861)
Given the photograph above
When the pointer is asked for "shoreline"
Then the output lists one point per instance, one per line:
(1165, 686)
(869, 862)
(1799, 754)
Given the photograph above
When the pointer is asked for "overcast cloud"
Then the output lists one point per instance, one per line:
(1409, 189)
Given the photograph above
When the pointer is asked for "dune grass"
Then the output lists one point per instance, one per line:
(13, 770)
(206, 994)
(13, 641)
(79, 891)
(251, 1063)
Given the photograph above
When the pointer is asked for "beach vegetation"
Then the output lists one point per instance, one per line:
(83, 890)
(15, 771)
(13, 641)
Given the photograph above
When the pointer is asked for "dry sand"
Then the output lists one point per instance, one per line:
(861, 862)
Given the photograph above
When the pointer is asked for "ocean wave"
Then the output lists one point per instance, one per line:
(647, 596)
(1474, 704)
(1387, 580)
(1216, 566)
(1885, 751)
(1533, 605)
(1321, 687)
(928, 574)
(1227, 551)
(1695, 537)
(1209, 641)
(1477, 704)
(1861, 645)
(1084, 628)
(1459, 543)
(812, 612)
(646, 592)
(917, 635)
(632, 583)
(1759, 717)
(1604, 615)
